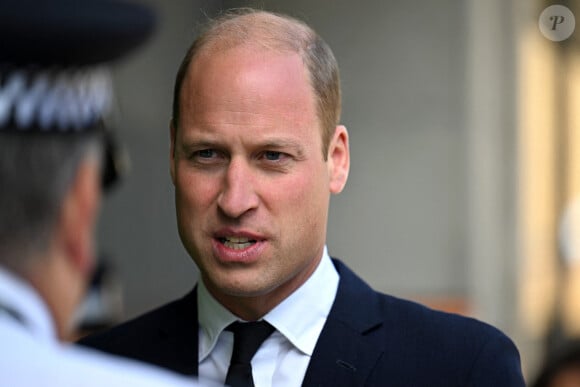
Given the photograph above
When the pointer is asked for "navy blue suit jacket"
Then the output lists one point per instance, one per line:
(370, 339)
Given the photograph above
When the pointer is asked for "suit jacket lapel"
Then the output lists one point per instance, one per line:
(351, 342)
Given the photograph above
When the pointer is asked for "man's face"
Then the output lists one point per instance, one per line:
(252, 187)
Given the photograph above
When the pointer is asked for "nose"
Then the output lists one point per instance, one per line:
(238, 195)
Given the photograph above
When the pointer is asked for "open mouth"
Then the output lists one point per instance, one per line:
(237, 243)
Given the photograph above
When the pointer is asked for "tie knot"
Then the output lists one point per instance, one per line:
(247, 339)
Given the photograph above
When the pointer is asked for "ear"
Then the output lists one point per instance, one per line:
(172, 133)
(79, 217)
(338, 159)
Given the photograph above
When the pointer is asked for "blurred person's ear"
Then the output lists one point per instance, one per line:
(79, 217)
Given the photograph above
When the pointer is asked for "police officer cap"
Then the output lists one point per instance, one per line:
(53, 59)
(70, 32)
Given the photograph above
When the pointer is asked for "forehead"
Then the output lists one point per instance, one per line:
(248, 78)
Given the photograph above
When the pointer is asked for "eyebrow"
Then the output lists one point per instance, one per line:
(283, 143)
(271, 143)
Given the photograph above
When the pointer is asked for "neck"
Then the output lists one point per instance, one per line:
(59, 289)
(254, 307)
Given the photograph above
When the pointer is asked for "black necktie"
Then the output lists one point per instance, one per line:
(247, 339)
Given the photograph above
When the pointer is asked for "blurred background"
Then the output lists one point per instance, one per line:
(464, 125)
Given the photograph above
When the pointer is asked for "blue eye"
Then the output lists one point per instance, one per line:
(206, 153)
(272, 156)
(207, 156)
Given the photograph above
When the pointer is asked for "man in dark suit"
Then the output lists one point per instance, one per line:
(256, 152)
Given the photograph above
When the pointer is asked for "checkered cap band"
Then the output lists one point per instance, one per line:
(56, 100)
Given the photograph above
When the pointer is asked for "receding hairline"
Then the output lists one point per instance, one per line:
(258, 30)
(264, 30)
(270, 30)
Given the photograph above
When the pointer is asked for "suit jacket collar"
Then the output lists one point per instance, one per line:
(349, 347)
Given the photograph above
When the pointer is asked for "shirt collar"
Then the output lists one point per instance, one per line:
(299, 318)
(302, 315)
(20, 297)
(213, 319)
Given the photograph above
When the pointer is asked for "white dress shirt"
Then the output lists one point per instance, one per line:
(283, 358)
(32, 356)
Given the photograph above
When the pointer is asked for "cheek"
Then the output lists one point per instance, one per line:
(303, 198)
(193, 203)
(193, 193)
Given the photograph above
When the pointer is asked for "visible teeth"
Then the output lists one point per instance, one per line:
(237, 239)
(237, 243)
(237, 246)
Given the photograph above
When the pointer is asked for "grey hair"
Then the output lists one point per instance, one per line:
(36, 170)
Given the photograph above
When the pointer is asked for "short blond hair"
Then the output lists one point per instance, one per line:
(279, 33)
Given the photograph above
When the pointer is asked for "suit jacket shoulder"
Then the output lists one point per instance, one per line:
(371, 338)
(166, 336)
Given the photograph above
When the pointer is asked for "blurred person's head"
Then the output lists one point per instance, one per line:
(49, 202)
(55, 91)
(256, 152)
